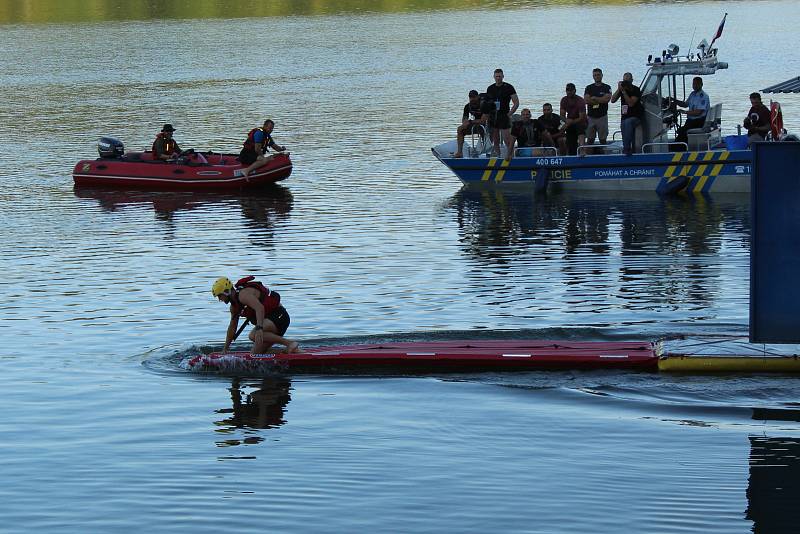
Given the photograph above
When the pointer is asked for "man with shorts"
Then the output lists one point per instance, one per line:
(252, 300)
(473, 119)
(501, 94)
(573, 111)
(255, 147)
(597, 96)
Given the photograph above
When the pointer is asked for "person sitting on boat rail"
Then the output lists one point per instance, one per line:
(525, 132)
(549, 126)
(597, 96)
(502, 94)
(165, 147)
(573, 111)
(631, 110)
(252, 300)
(479, 112)
(698, 105)
(256, 146)
(757, 121)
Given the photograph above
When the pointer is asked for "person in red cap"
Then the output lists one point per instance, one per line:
(165, 147)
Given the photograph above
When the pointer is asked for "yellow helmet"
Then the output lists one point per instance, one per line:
(221, 286)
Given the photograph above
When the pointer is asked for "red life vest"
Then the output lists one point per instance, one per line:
(250, 142)
(776, 121)
(269, 299)
(169, 145)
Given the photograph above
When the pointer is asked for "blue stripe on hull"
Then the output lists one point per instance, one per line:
(697, 172)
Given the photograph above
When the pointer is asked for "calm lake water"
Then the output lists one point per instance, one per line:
(106, 292)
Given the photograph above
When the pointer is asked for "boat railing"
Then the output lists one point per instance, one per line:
(615, 149)
(665, 143)
(528, 151)
(479, 140)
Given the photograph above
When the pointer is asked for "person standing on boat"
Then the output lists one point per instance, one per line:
(573, 112)
(632, 111)
(252, 300)
(256, 146)
(597, 96)
(757, 121)
(165, 147)
(502, 94)
(698, 105)
(474, 118)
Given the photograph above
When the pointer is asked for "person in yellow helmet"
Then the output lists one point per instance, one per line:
(252, 300)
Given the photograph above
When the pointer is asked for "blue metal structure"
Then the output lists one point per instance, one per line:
(775, 244)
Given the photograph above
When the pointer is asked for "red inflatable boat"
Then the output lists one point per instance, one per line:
(193, 171)
(442, 356)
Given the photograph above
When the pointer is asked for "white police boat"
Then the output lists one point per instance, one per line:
(709, 162)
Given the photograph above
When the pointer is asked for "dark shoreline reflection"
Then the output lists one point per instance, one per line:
(261, 409)
(260, 209)
(773, 490)
(636, 246)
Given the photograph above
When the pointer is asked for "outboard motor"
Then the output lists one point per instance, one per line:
(110, 148)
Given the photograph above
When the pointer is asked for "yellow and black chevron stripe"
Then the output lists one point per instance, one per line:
(702, 168)
(490, 168)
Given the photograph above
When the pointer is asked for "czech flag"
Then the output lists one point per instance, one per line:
(719, 30)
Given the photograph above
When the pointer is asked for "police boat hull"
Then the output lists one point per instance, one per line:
(197, 171)
(707, 171)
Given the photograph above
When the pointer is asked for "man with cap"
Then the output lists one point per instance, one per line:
(165, 147)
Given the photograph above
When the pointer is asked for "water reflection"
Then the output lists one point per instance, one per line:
(637, 247)
(261, 209)
(261, 409)
(495, 223)
(774, 484)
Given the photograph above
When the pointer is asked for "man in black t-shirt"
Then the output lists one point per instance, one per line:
(632, 113)
(473, 120)
(501, 94)
(597, 95)
(549, 124)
